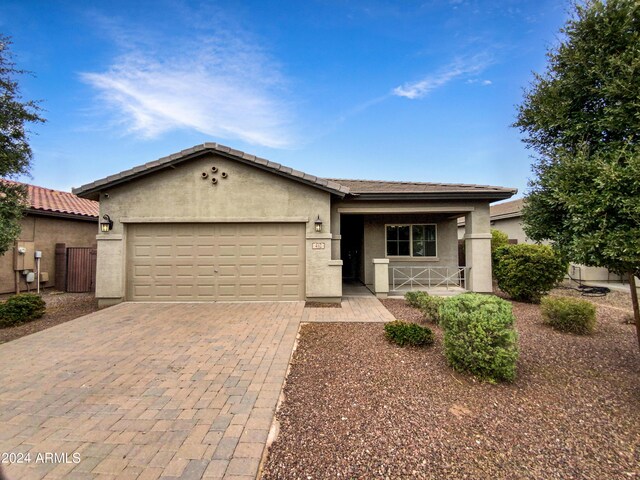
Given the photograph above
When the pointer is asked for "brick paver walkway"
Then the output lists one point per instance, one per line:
(354, 309)
(147, 391)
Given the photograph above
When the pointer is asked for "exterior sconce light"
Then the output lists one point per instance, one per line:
(107, 224)
(318, 223)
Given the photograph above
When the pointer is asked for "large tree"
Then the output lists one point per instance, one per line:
(15, 152)
(582, 118)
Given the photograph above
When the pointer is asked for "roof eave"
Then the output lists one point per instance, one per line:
(489, 196)
(506, 216)
(69, 216)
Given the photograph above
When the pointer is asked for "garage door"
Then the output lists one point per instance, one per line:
(223, 261)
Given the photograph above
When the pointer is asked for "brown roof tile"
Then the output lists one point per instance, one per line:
(382, 186)
(511, 208)
(340, 187)
(56, 201)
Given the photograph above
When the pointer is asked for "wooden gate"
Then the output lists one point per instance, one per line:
(81, 269)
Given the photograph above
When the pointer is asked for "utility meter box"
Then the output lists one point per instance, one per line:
(23, 256)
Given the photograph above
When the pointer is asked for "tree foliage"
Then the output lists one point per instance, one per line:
(15, 152)
(582, 118)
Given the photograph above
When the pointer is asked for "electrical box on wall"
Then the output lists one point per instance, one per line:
(23, 256)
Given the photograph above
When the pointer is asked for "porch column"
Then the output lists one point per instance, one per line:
(381, 277)
(477, 243)
(336, 237)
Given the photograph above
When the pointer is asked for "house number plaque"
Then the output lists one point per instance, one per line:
(317, 245)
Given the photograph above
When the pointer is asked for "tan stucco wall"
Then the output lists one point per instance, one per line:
(511, 226)
(375, 246)
(46, 231)
(247, 194)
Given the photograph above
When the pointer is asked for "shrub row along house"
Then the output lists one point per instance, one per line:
(213, 223)
(51, 217)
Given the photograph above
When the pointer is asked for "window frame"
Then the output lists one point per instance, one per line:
(410, 225)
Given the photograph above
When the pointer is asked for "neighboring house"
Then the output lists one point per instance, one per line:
(507, 217)
(213, 223)
(51, 217)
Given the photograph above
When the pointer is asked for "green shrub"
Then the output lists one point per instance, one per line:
(414, 298)
(21, 308)
(498, 239)
(527, 272)
(430, 307)
(404, 333)
(479, 337)
(569, 314)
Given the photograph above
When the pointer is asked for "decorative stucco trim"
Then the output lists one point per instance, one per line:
(434, 209)
(214, 220)
(111, 236)
(477, 236)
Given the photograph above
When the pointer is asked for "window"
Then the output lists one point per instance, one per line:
(411, 240)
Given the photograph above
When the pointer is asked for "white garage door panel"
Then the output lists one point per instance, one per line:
(215, 262)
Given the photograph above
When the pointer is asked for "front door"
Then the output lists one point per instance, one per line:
(351, 246)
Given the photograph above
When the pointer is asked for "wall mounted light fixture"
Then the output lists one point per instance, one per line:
(318, 223)
(107, 224)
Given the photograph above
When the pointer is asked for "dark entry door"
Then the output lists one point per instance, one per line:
(352, 246)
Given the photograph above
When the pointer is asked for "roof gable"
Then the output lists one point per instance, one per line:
(91, 190)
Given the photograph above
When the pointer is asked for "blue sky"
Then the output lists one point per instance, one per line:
(404, 90)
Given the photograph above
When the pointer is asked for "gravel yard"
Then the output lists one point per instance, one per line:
(359, 407)
(61, 307)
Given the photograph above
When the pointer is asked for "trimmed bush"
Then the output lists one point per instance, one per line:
(479, 337)
(21, 308)
(414, 298)
(430, 307)
(569, 314)
(498, 239)
(527, 272)
(404, 333)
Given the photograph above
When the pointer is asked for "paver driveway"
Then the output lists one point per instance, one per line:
(148, 391)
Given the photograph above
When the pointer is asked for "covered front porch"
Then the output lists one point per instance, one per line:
(393, 249)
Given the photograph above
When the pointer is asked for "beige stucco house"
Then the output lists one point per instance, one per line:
(212, 223)
(507, 217)
(51, 217)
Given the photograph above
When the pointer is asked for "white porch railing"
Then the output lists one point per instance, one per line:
(411, 277)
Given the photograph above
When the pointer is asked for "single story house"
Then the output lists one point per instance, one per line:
(507, 217)
(213, 223)
(51, 217)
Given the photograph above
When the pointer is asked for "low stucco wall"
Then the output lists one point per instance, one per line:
(45, 232)
(248, 194)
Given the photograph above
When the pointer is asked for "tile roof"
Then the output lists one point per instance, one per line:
(340, 187)
(56, 201)
(502, 210)
(510, 209)
(359, 187)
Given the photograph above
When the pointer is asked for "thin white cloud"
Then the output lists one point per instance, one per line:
(460, 68)
(484, 83)
(217, 85)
